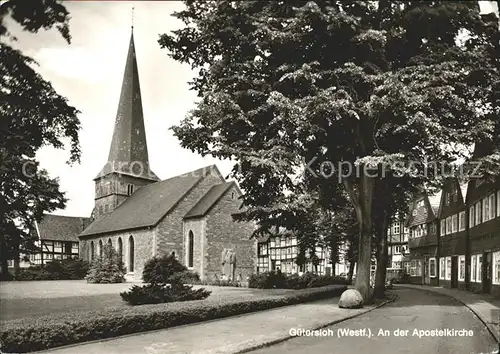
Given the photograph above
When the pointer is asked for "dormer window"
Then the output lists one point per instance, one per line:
(130, 189)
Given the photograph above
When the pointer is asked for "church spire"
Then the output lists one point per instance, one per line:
(128, 153)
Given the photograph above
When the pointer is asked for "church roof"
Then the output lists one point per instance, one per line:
(209, 200)
(61, 228)
(128, 153)
(149, 204)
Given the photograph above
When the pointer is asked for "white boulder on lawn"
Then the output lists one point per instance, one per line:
(351, 299)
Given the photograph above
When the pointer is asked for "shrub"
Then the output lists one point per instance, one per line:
(405, 279)
(220, 282)
(268, 280)
(67, 269)
(107, 268)
(74, 269)
(279, 280)
(34, 334)
(7, 276)
(184, 277)
(156, 293)
(158, 270)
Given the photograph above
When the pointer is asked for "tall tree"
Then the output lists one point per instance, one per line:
(343, 91)
(32, 115)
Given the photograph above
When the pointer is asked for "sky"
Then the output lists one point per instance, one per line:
(89, 73)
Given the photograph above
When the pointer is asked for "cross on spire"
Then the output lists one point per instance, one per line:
(132, 18)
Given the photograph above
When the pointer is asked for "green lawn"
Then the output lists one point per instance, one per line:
(37, 298)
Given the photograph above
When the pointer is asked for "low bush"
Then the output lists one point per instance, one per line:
(220, 282)
(107, 268)
(156, 293)
(39, 333)
(165, 277)
(158, 270)
(268, 280)
(67, 269)
(278, 280)
(185, 277)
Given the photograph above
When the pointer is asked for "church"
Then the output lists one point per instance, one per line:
(141, 216)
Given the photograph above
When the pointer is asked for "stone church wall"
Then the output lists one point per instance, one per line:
(170, 236)
(222, 232)
(143, 248)
(197, 226)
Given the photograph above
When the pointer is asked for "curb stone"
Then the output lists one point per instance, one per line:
(494, 329)
(288, 337)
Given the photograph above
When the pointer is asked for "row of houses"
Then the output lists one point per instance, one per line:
(279, 251)
(454, 237)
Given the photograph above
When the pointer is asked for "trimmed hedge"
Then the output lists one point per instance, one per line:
(278, 280)
(33, 334)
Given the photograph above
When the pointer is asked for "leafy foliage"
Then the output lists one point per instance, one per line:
(67, 269)
(371, 90)
(32, 115)
(61, 329)
(185, 277)
(278, 280)
(159, 270)
(107, 268)
(156, 293)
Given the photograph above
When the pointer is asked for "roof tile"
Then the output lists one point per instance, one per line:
(61, 228)
(209, 200)
(149, 204)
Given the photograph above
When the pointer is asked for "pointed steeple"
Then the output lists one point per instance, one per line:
(128, 153)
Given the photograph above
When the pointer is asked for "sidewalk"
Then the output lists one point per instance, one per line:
(486, 307)
(230, 335)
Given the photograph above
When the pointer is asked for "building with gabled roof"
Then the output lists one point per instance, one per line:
(483, 257)
(424, 238)
(188, 215)
(452, 234)
(57, 237)
(397, 245)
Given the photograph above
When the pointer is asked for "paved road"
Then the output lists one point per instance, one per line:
(414, 309)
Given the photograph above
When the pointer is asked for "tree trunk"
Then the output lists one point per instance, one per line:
(16, 257)
(362, 283)
(364, 213)
(382, 255)
(334, 253)
(350, 274)
(3, 257)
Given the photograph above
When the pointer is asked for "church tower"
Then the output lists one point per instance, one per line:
(127, 168)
